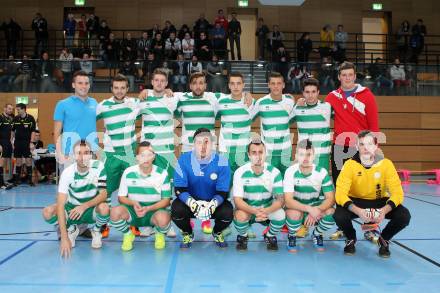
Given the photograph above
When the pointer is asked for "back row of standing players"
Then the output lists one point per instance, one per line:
(352, 105)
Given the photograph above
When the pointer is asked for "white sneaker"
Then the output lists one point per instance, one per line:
(72, 234)
(146, 231)
(96, 239)
(171, 233)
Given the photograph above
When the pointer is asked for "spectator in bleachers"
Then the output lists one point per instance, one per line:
(69, 28)
(417, 40)
(128, 47)
(45, 75)
(172, 46)
(341, 39)
(12, 35)
(201, 25)
(221, 19)
(81, 27)
(180, 74)
(158, 46)
(66, 67)
(129, 70)
(379, 75)
(183, 30)
(203, 48)
(153, 31)
(147, 69)
(218, 34)
(216, 79)
(281, 60)
(397, 74)
(261, 33)
(327, 38)
(297, 73)
(304, 46)
(112, 50)
(24, 76)
(104, 32)
(39, 26)
(166, 67)
(93, 25)
(327, 76)
(234, 33)
(144, 44)
(8, 75)
(86, 65)
(276, 38)
(403, 35)
(188, 46)
(168, 29)
(194, 65)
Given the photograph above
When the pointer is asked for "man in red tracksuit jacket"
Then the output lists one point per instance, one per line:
(355, 109)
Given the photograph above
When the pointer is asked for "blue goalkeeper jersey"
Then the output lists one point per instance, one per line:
(203, 179)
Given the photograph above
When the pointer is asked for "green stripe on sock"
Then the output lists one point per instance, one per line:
(241, 227)
(163, 230)
(101, 221)
(120, 225)
(52, 220)
(275, 227)
(325, 224)
(293, 226)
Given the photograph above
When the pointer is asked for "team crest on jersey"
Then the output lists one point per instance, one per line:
(213, 176)
(133, 182)
(247, 181)
(267, 108)
(377, 175)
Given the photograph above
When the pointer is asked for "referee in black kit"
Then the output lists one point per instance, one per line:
(6, 120)
(23, 130)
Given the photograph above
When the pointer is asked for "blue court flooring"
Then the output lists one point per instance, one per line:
(30, 261)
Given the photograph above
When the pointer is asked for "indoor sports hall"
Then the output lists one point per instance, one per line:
(395, 49)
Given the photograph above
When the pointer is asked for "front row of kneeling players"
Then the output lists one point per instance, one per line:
(202, 182)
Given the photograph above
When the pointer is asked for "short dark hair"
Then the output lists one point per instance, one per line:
(143, 144)
(255, 141)
(275, 74)
(365, 133)
(120, 77)
(21, 106)
(310, 81)
(235, 74)
(79, 73)
(83, 143)
(200, 131)
(346, 65)
(196, 75)
(37, 131)
(305, 144)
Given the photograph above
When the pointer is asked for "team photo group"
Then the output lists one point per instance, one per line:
(160, 157)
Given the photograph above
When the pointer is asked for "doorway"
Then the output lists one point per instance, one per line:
(248, 21)
(376, 29)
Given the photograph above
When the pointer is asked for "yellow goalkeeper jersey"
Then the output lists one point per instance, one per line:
(369, 183)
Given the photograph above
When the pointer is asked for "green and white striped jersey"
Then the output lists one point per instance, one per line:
(146, 190)
(82, 187)
(275, 117)
(313, 122)
(196, 112)
(257, 190)
(119, 122)
(307, 188)
(235, 130)
(158, 122)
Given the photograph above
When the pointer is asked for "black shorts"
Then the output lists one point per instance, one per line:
(7, 148)
(22, 149)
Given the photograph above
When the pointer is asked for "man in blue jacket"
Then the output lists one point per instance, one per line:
(201, 182)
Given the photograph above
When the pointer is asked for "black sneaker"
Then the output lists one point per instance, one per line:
(349, 248)
(271, 242)
(318, 242)
(242, 242)
(384, 248)
(291, 243)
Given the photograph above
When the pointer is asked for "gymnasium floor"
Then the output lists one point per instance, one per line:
(30, 261)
